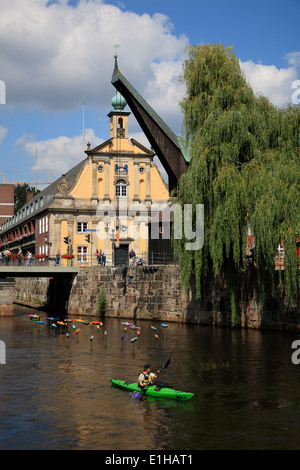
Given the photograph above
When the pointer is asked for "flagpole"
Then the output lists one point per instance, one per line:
(83, 129)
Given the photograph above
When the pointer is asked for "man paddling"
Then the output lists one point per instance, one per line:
(146, 377)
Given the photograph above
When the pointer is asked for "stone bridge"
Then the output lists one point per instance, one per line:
(59, 284)
(37, 271)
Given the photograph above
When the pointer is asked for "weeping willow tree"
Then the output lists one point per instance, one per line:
(245, 169)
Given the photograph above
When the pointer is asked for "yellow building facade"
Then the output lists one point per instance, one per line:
(106, 202)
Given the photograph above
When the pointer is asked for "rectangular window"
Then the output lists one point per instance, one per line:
(82, 227)
(82, 254)
(121, 188)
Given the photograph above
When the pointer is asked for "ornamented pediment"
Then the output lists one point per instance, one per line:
(63, 187)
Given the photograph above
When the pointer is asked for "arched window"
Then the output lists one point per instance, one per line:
(121, 188)
(120, 123)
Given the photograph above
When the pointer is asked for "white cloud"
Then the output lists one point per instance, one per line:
(293, 58)
(62, 153)
(272, 82)
(3, 132)
(58, 154)
(54, 53)
(165, 92)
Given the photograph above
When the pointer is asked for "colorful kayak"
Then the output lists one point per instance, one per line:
(34, 317)
(151, 391)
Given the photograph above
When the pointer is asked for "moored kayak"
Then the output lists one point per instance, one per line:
(34, 317)
(151, 391)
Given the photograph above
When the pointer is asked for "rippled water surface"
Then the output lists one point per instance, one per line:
(55, 393)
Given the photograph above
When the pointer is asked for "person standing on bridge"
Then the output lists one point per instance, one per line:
(57, 258)
(20, 256)
(131, 257)
(6, 257)
(98, 257)
(29, 257)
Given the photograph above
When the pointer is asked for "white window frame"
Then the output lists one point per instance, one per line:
(82, 254)
(82, 227)
(121, 188)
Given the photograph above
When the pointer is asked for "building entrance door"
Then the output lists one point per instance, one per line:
(121, 255)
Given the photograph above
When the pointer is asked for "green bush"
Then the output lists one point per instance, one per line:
(102, 302)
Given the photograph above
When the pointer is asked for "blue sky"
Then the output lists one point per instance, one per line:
(54, 53)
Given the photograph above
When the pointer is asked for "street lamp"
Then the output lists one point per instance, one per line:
(46, 240)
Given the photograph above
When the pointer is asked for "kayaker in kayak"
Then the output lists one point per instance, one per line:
(146, 377)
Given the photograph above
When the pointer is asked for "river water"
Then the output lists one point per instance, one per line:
(55, 392)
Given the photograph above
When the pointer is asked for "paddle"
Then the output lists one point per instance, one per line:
(166, 364)
(139, 394)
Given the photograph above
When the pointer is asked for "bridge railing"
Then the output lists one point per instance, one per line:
(24, 261)
(111, 259)
(83, 260)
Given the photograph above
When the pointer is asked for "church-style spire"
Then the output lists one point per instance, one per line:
(118, 102)
(118, 117)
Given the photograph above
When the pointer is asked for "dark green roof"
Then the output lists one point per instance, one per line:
(185, 149)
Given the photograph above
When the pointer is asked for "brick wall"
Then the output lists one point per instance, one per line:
(6, 202)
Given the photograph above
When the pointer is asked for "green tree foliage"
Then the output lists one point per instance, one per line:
(245, 168)
(21, 193)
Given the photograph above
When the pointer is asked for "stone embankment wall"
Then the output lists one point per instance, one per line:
(136, 293)
(6, 297)
(131, 292)
(156, 294)
(33, 290)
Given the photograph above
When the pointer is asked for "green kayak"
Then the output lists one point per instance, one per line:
(151, 391)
